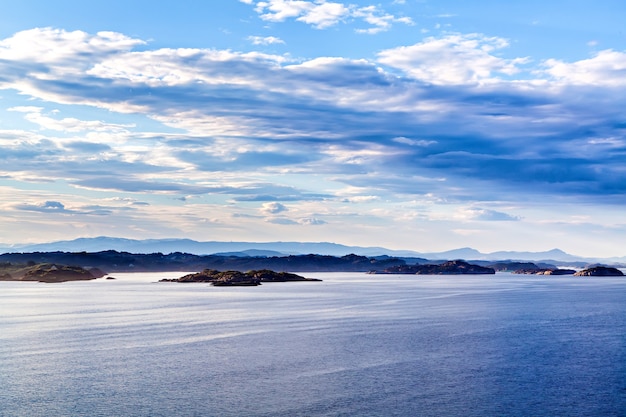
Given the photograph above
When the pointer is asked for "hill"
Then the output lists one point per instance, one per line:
(247, 249)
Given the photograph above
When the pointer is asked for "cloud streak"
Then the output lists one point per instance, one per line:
(323, 14)
(442, 122)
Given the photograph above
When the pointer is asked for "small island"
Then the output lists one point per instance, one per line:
(227, 269)
(545, 271)
(457, 267)
(599, 271)
(237, 278)
(46, 272)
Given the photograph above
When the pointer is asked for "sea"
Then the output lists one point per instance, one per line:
(352, 345)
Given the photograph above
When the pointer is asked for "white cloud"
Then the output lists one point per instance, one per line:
(362, 199)
(482, 214)
(78, 48)
(265, 40)
(280, 10)
(56, 207)
(607, 67)
(379, 20)
(247, 127)
(68, 124)
(454, 59)
(273, 208)
(414, 142)
(26, 109)
(198, 67)
(323, 14)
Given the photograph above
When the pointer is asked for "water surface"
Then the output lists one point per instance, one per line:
(354, 344)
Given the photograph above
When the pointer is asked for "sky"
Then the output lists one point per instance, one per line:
(423, 125)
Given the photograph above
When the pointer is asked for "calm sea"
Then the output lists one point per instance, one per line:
(352, 345)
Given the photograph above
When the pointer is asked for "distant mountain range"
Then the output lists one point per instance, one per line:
(282, 248)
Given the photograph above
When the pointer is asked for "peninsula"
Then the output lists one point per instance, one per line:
(72, 266)
(46, 272)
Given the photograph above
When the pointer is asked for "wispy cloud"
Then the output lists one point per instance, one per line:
(56, 207)
(261, 116)
(265, 40)
(448, 121)
(68, 124)
(482, 214)
(379, 20)
(323, 14)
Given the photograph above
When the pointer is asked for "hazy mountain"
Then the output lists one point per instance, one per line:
(462, 253)
(252, 252)
(555, 254)
(199, 248)
(280, 248)
(469, 253)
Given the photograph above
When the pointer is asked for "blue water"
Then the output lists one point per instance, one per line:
(352, 345)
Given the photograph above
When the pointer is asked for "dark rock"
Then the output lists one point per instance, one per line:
(236, 278)
(559, 272)
(515, 266)
(266, 275)
(113, 261)
(56, 273)
(599, 271)
(457, 267)
(96, 272)
(544, 271)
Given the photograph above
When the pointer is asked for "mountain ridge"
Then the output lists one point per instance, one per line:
(170, 245)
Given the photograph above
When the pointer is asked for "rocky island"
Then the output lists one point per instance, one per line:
(545, 271)
(46, 272)
(457, 267)
(53, 266)
(237, 278)
(113, 261)
(599, 271)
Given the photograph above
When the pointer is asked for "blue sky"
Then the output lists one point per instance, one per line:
(423, 125)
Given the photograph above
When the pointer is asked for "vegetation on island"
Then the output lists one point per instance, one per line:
(457, 267)
(46, 272)
(113, 261)
(600, 271)
(231, 269)
(237, 278)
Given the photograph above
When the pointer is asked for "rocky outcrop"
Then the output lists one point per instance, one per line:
(457, 267)
(599, 271)
(50, 273)
(237, 278)
(556, 271)
(514, 266)
(266, 275)
(96, 272)
(112, 261)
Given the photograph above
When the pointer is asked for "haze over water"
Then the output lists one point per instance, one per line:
(353, 344)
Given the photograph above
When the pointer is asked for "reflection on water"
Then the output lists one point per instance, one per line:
(354, 344)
